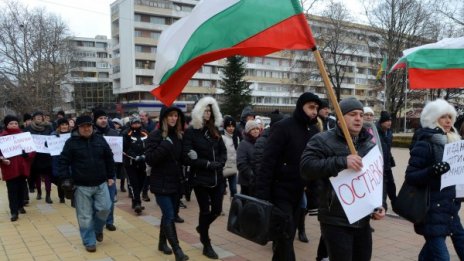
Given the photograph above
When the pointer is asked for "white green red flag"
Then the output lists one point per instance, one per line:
(221, 28)
(437, 65)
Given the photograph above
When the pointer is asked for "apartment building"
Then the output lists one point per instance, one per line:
(276, 80)
(89, 83)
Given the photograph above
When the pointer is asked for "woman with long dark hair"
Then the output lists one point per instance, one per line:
(205, 152)
(164, 155)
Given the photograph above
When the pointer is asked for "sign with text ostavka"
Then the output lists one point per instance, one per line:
(115, 143)
(454, 155)
(361, 192)
(13, 145)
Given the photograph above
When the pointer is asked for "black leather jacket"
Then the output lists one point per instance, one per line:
(324, 157)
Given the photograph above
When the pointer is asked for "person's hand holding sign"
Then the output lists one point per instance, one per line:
(354, 162)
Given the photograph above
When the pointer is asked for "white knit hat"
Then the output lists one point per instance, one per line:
(368, 110)
(251, 124)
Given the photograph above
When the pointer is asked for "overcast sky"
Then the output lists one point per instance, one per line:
(88, 18)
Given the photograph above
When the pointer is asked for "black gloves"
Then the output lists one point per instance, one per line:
(24, 154)
(440, 168)
(140, 158)
(214, 165)
(68, 186)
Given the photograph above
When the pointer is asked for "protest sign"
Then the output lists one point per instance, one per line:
(56, 144)
(459, 191)
(454, 155)
(13, 145)
(40, 141)
(116, 146)
(361, 192)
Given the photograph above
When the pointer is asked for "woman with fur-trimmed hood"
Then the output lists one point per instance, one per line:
(425, 169)
(205, 152)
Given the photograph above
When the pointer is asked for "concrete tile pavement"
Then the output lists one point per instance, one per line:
(50, 232)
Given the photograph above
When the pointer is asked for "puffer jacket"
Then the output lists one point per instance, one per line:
(324, 157)
(245, 160)
(91, 160)
(442, 219)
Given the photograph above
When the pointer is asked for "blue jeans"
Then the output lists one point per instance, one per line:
(435, 248)
(92, 208)
(167, 204)
(112, 191)
(232, 180)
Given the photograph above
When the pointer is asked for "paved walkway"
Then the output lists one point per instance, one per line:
(50, 232)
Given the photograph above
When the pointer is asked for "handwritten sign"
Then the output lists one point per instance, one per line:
(56, 144)
(116, 146)
(454, 155)
(40, 141)
(361, 192)
(13, 145)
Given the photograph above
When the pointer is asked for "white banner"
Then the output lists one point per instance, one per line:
(361, 192)
(56, 144)
(40, 141)
(459, 191)
(13, 145)
(454, 155)
(115, 143)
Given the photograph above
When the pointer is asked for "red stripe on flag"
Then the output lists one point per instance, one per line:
(284, 35)
(436, 79)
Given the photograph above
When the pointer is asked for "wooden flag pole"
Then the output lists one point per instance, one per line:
(333, 100)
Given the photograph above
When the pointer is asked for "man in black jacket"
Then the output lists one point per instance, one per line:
(88, 160)
(325, 155)
(278, 178)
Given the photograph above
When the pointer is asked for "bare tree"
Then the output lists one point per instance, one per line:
(400, 24)
(34, 57)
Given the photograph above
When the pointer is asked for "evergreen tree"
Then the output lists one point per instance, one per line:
(237, 93)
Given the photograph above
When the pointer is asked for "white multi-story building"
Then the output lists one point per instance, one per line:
(136, 26)
(89, 83)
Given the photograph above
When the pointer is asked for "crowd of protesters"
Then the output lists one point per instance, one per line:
(288, 163)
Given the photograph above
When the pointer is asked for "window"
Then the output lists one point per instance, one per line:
(144, 80)
(102, 55)
(103, 65)
(145, 49)
(157, 20)
(103, 75)
(101, 45)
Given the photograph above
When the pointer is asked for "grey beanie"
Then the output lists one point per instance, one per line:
(350, 104)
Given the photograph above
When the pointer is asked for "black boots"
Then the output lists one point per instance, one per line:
(208, 250)
(171, 235)
(162, 244)
(48, 198)
(301, 226)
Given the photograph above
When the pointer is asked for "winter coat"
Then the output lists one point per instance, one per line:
(42, 161)
(231, 164)
(279, 175)
(133, 146)
(324, 157)
(245, 160)
(90, 159)
(165, 159)
(386, 139)
(198, 138)
(442, 219)
(19, 166)
(259, 148)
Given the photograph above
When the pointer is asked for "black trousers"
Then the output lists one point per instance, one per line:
(346, 243)
(137, 176)
(283, 247)
(15, 189)
(389, 186)
(210, 204)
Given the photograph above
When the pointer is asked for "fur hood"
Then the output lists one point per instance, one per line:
(198, 110)
(434, 110)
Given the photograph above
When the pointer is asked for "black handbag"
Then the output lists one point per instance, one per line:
(412, 203)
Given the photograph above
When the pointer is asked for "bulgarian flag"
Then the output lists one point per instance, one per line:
(435, 66)
(221, 28)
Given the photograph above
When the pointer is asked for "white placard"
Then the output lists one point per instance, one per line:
(459, 191)
(55, 144)
(361, 192)
(13, 145)
(115, 143)
(454, 155)
(40, 141)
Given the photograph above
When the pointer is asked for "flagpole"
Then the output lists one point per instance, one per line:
(333, 100)
(405, 99)
(385, 90)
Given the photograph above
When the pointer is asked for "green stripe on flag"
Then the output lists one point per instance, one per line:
(233, 26)
(436, 59)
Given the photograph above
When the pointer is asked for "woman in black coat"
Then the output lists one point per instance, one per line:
(425, 169)
(245, 158)
(164, 155)
(205, 152)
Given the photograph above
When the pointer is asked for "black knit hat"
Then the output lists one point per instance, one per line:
(37, 113)
(61, 121)
(275, 117)
(27, 117)
(98, 113)
(81, 120)
(229, 121)
(10, 118)
(350, 104)
(384, 116)
(308, 97)
(324, 104)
